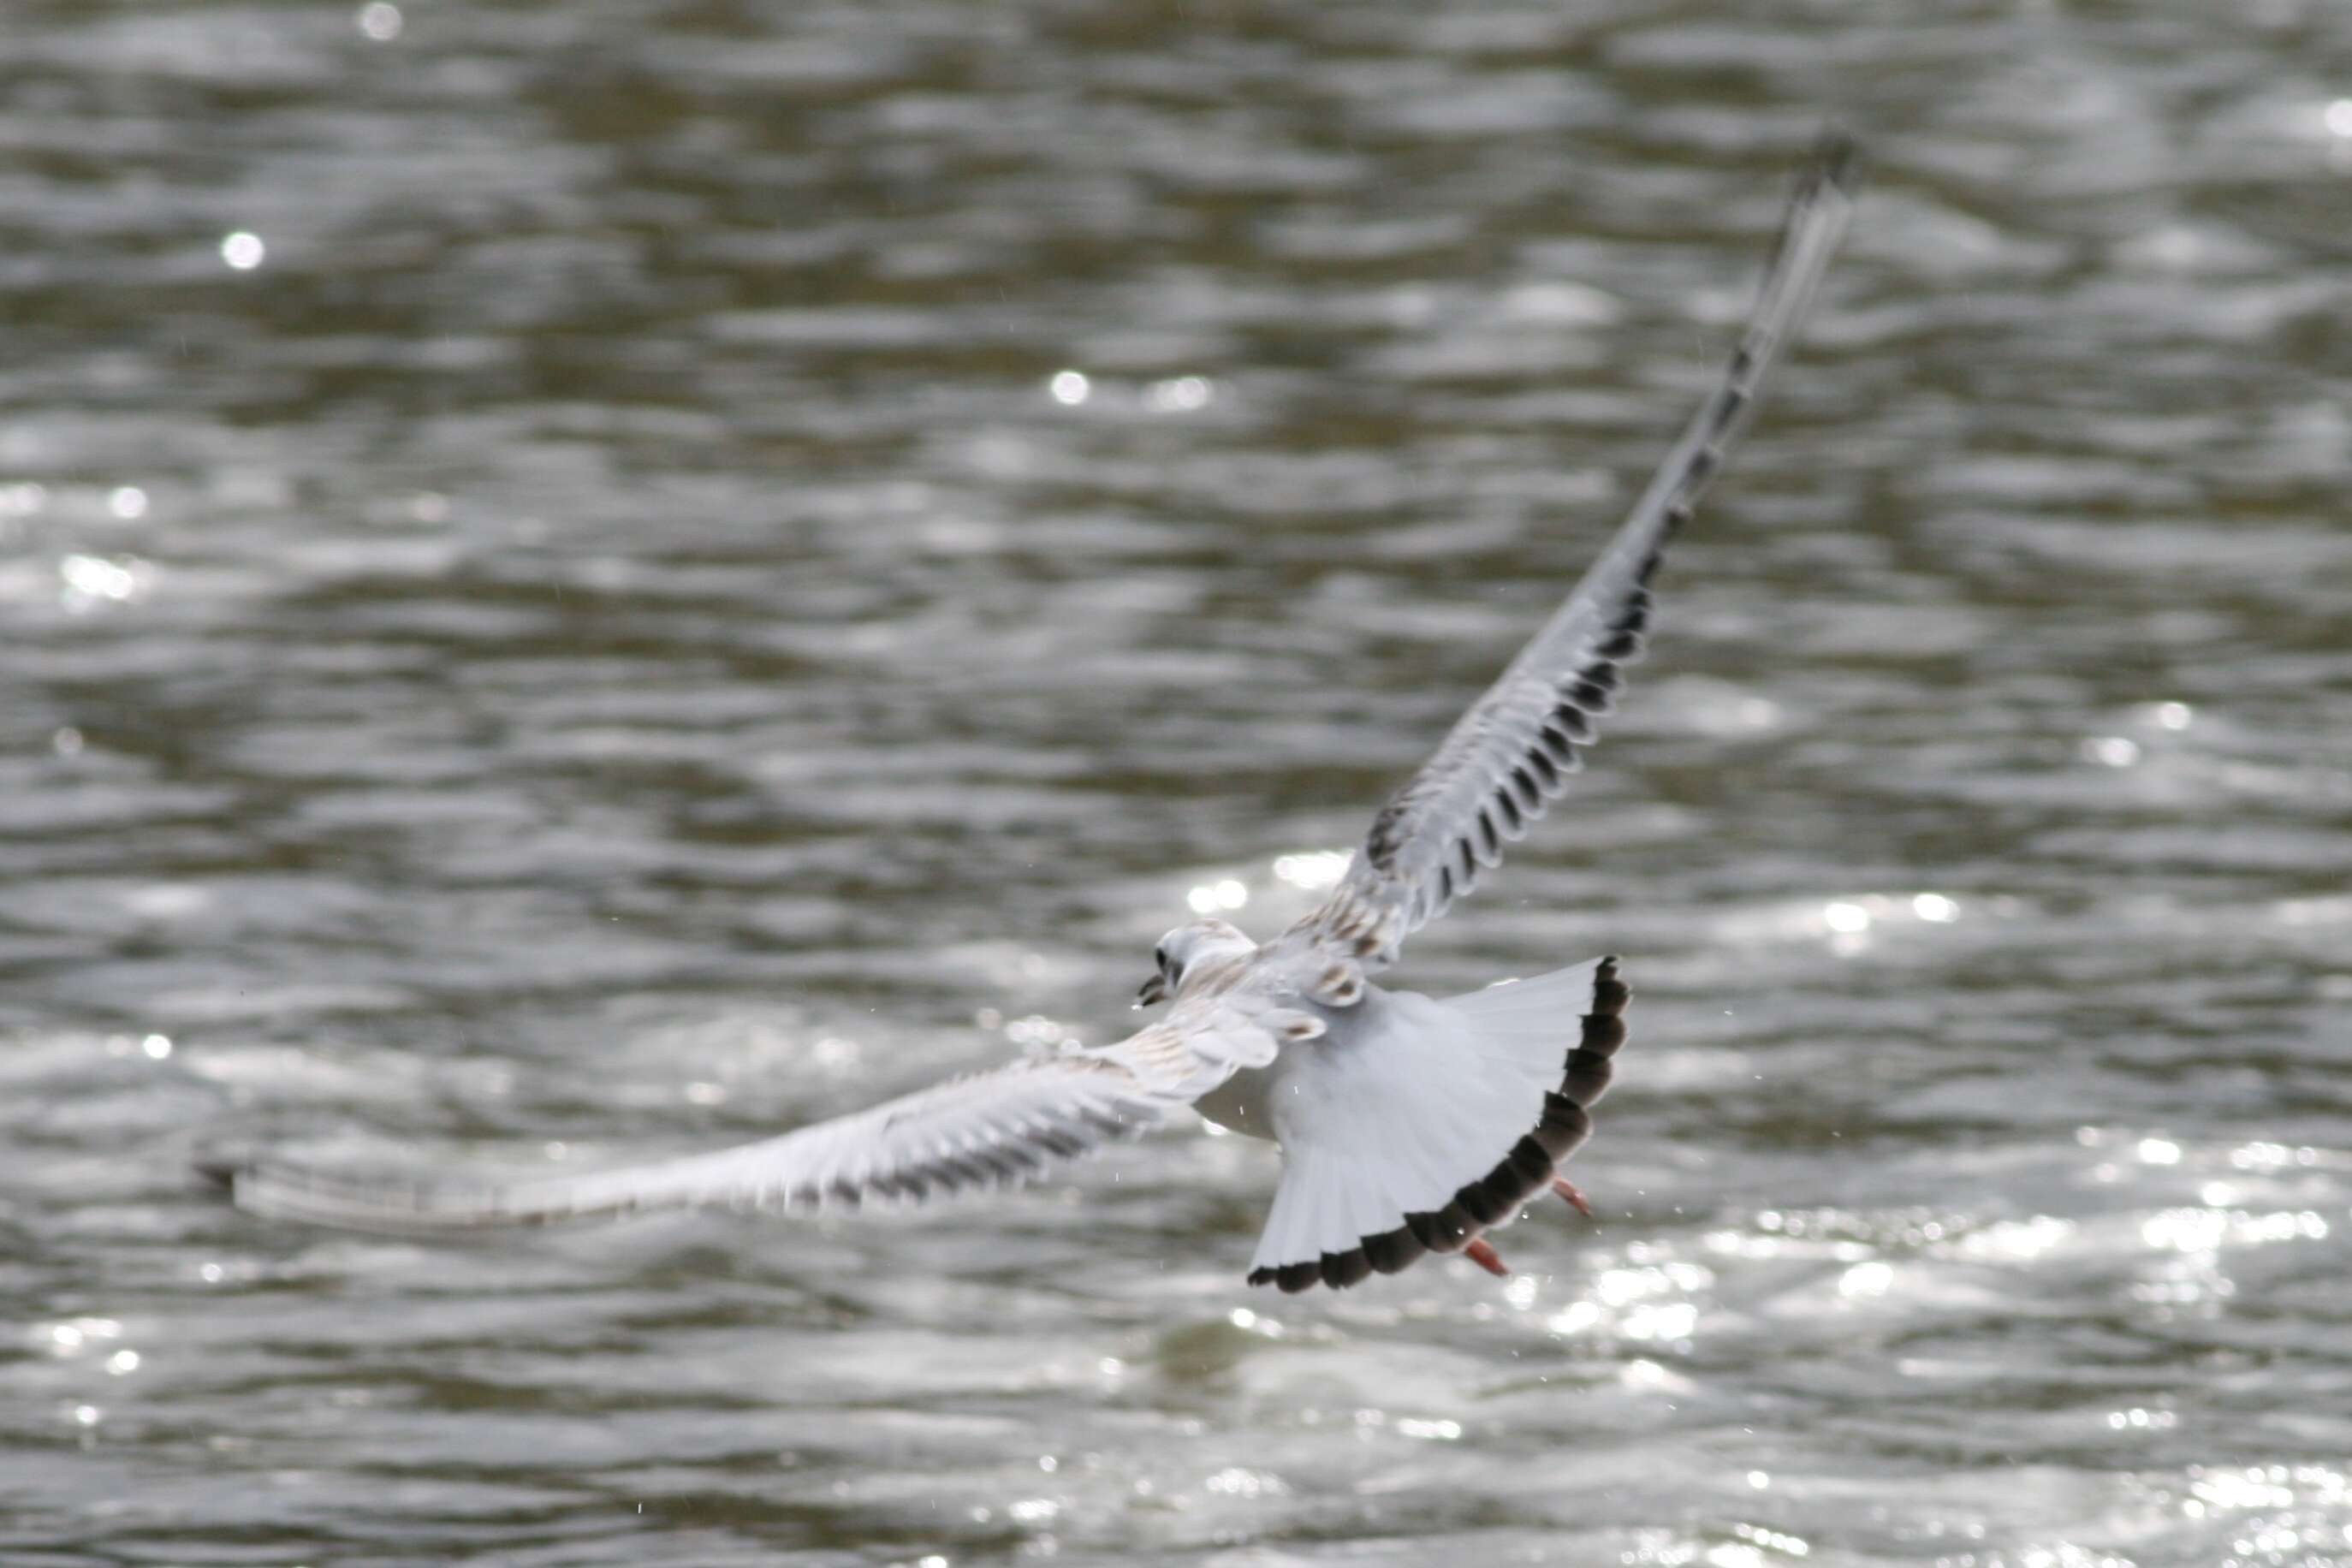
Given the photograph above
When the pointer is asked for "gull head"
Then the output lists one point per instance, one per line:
(1190, 948)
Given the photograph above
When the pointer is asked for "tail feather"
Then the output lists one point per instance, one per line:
(1524, 1021)
(1420, 1136)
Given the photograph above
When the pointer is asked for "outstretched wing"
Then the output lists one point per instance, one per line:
(1508, 757)
(987, 1129)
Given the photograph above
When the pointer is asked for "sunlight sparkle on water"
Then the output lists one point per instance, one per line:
(1574, 1318)
(1865, 1280)
(1236, 1481)
(2207, 1230)
(1037, 1029)
(1257, 1323)
(76, 1334)
(379, 21)
(2266, 1486)
(2271, 1156)
(1648, 1303)
(1212, 897)
(1772, 1539)
(91, 579)
(127, 503)
(1935, 906)
(2014, 1240)
(2066, 1554)
(1180, 395)
(1667, 1321)
(1623, 1287)
(1069, 387)
(2337, 117)
(1649, 1374)
(2140, 1419)
(2111, 751)
(1846, 919)
(243, 250)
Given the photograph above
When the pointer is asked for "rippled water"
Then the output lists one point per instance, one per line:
(563, 601)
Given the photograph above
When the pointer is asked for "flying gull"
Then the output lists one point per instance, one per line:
(1408, 1125)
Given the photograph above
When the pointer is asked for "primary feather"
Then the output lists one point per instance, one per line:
(1508, 758)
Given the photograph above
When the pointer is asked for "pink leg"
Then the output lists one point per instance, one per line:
(1480, 1252)
(1567, 1189)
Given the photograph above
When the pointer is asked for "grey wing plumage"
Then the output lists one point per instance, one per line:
(986, 1130)
(1507, 759)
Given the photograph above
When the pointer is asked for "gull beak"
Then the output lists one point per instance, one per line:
(1155, 990)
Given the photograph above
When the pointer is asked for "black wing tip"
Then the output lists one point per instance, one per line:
(1836, 161)
(219, 1168)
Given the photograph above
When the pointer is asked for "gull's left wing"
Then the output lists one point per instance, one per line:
(1507, 759)
(983, 1131)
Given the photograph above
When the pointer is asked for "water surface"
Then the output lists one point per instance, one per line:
(555, 613)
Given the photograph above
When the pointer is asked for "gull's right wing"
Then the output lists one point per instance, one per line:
(1508, 758)
(986, 1130)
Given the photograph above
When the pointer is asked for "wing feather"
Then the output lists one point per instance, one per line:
(985, 1130)
(1509, 757)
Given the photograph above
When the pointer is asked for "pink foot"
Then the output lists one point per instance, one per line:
(1567, 1189)
(1482, 1253)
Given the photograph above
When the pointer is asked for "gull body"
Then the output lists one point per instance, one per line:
(1255, 1101)
(1408, 1125)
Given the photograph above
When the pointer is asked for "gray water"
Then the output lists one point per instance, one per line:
(590, 633)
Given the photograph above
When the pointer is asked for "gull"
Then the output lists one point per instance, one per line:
(1408, 1126)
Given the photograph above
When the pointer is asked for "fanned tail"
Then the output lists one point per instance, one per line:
(1456, 1146)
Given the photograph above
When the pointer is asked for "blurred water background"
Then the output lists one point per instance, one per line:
(587, 579)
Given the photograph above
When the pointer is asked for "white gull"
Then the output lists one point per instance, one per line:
(1408, 1126)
